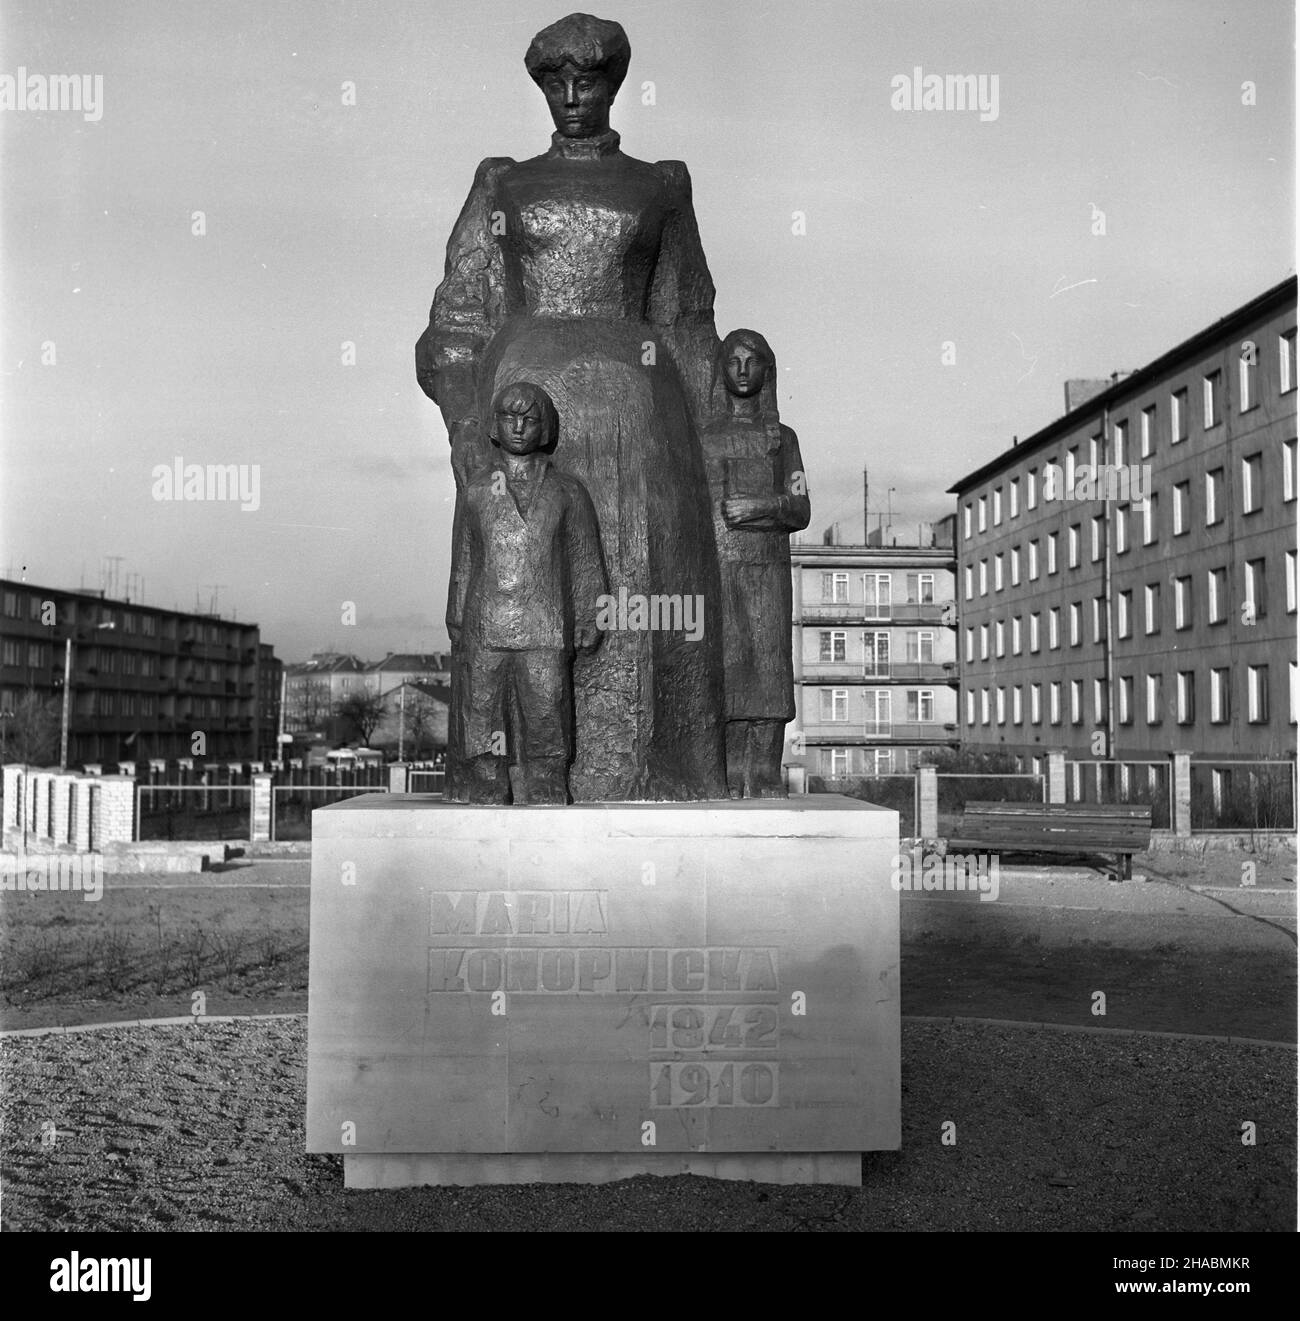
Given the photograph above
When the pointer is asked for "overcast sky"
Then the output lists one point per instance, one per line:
(326, 223)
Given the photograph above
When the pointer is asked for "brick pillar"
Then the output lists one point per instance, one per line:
(927, 802)
(399, 778)
(115, 819)
(13, 780)
(59, 830)
(259, 824)
(1180, 777)
(1056, 775)
(81, 790)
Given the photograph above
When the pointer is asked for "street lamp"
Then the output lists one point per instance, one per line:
(67, 693)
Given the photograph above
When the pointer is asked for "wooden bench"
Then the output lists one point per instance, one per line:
(1119, 828)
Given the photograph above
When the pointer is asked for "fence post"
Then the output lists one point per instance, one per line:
(1180, 783)
(259, 821)
(1056, 775)
(399, 777)
(927, 802)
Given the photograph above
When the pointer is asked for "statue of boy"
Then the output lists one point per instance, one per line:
(760, 496)
(525, 578)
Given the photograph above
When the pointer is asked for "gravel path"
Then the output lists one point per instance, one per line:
(201, 1128)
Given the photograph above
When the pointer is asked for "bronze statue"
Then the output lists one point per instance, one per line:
(581, 270)
(526, 581)
(759, 497)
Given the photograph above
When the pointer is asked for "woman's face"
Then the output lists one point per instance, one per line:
(745, 370)
(579, 101)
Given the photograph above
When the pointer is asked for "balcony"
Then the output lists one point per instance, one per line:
(894, 612)
(876, 672)
(857, 733)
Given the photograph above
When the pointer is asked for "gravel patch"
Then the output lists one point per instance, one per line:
(201, 1128)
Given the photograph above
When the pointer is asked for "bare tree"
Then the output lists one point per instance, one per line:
(364, 712)
(31, 734)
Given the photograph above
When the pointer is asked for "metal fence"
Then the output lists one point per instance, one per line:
(426, 781)
(292, 805)
(1137, 782)
(193, 811)
(1243, 795)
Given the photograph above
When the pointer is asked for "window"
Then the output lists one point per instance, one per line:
(999, 638)
(1216, 583)
(1035, 703)
(1073, 544)
(1124, 614)
(1017, 713)
(1178, 416)
(1033, 560)
(997, 506)
(1148, 431)
(149, 627)
(35, 656)
(923, 591)
(1150, 529)
(1153, 699)
(1246, 367)
(920, 705)
(1290, 582)
(982, 506)
(984, 706)
(1257, 694)
(997, 572)
(1099, 701)
(1256, 593)
(835, 588)
(1015, 636)
(1121, 529)
(1071, 460)
(1219, 697)
(1015, 566)
(920, 646)
(1252, 483)
(1098, 537)
(1076, 623)
(970, 706)
(1214, 501)
(1054, 702)
(1094, 453)
(984, 642)
(1054, 628)
(966, 521)
(1002, 705)
(835, 703)
(1151, 595)
(1121, 444)
(1288, 469)
(970, 582)
(984, 577)
(1125, 695)
(1182, 602)
(1053, 541)
(1294, 699)
(1286, 362)
(1076, 701)
(1031, 488)
(1211, 396)
(1033, 631)
(1182, 507)
(9, 652)
(878, 595)
(1013, 497)
(970, 643)
(832, 647)
(1098, 618)
(839, 763)
(1186, 697)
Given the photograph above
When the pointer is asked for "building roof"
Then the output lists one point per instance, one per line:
(96, 597)
(326, 662)
(411, 660)
(438, 692)
(1279, 295)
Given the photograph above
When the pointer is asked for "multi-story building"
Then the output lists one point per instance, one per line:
(144, 681)
(875, 661)
(270, 681)
(1154, 610)
(314, 689)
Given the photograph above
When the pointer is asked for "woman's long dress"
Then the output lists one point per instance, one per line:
(581, 270)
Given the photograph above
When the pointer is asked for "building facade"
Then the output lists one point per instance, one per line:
(144, 681)
(408, 667)
(314, 689)
(875, 656)
(1127, 575)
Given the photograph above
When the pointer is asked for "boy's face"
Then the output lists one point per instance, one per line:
(520, 433)
(745, 371)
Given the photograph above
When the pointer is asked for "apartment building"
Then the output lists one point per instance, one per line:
(143, 681)
(1127, 575)
(875, 656)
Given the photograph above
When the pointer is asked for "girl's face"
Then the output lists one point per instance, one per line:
(745, 371)
(579, 101)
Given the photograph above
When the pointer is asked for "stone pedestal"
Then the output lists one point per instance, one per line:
(583, 993)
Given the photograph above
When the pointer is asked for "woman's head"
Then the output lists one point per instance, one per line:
(746, 363)
(579, 63)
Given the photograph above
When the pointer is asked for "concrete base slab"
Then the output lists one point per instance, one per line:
(466, 1171)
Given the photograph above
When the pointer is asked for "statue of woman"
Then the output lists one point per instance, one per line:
(759, 497)
(581, 271)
